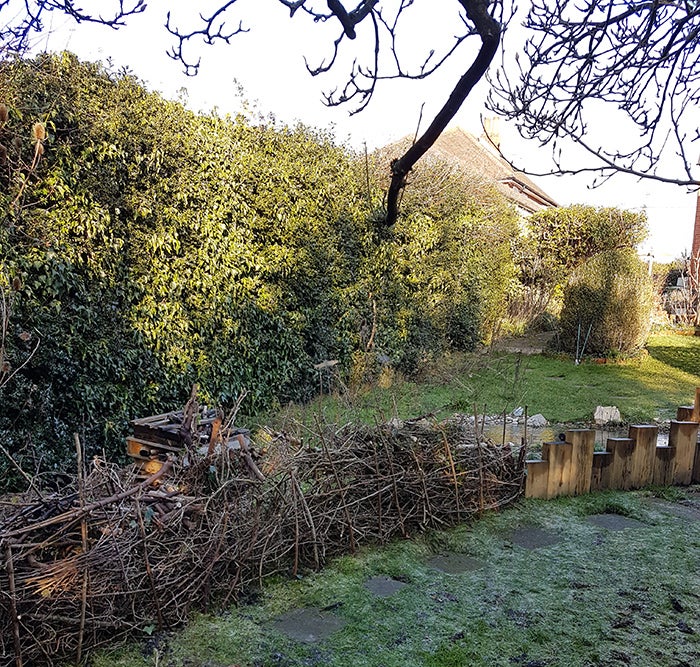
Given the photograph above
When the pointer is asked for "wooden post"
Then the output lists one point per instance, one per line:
(536, 481)
(683, 436)
(664, 466)
(684, 413)
(559, 479)
(583, 443)
(619, 473)
(645, 437)
(696, 406)
(599, 468)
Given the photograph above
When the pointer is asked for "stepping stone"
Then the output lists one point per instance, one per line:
(309, 625)
(383, 587)
(532, 537)
(614, 521)
(454, 563)
(689, 512)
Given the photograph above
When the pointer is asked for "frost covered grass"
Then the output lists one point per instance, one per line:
(595, 597)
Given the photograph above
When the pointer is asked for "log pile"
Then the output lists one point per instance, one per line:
(118, 554)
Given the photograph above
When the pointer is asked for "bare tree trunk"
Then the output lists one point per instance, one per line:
(490, 32)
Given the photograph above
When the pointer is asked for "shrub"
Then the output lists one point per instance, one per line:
(155, 248)
(555, 243)
(441, 280)
(608, 303)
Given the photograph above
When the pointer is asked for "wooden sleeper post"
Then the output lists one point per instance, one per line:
(583, 443)
(618, 474)
(537, 478)
(559, 478)
(645, 437)
(664, 465)
(683, 436)
(599, 470)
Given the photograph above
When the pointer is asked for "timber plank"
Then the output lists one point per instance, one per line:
(536, 480)
(599, 470)
(619, 472)
(559, 480)
(683, 435)
(664, 465)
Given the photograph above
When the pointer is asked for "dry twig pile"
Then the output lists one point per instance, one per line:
(117, 555)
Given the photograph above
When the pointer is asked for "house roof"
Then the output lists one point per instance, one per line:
(470, 154)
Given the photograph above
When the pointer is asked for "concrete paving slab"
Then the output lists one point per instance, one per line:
(689, 511)
(308, 625)
(384, 587)
(455, 563)
(533, 537)
(615, 522)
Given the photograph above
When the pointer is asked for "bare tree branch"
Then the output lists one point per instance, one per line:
(639, 57)
(489, 30)
(21, 20)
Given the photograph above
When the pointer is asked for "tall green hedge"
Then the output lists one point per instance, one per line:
(151, 247)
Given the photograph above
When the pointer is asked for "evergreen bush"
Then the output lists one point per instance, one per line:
(155, 248)
(607, 306)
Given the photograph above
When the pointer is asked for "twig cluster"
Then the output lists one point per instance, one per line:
(115, 555)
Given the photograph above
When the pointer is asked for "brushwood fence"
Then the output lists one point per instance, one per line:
(113, 554)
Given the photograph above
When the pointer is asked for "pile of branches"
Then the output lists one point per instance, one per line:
(116, 555)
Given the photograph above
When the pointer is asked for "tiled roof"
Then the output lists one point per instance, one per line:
(458, 146)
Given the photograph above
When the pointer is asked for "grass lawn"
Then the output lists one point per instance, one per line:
(596, 597)
(647, 388)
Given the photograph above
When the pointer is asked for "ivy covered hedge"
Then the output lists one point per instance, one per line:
(144, 247)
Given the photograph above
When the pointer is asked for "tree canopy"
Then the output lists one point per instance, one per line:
(584, 58)
(570, 62)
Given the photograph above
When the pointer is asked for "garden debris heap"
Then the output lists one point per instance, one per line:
(117, 553)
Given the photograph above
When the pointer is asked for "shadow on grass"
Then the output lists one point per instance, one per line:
(683, 358)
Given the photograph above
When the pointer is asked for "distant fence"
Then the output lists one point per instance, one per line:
(571, 468)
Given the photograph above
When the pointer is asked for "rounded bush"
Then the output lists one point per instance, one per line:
(607, 306)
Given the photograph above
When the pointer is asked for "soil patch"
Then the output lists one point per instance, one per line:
(309, 625)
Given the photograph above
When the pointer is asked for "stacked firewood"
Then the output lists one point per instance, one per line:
(119, 553)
